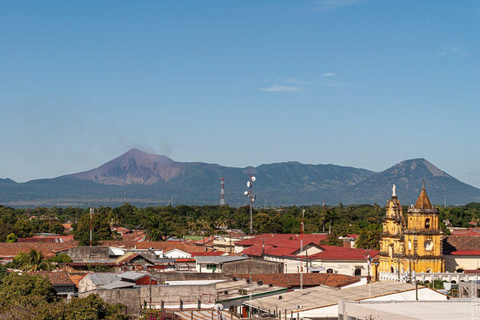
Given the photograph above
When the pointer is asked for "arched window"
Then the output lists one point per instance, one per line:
(329, 270)
(453, 282)
(459, 270)
(427, 223)
(391, 269)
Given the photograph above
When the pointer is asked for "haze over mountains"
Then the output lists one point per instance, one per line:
(148, 179)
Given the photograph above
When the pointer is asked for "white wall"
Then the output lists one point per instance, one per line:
(346, 267)
(452, 263)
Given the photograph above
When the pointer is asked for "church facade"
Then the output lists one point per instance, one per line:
(411, 242)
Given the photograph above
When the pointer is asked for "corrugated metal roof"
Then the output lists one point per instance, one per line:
(101, 278)
(218, 259)
(118, 284)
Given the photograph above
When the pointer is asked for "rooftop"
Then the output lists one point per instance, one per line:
(309, 279)
(320, 297)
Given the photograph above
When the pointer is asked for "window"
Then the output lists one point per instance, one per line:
(358, 272)
(427, 223)
(211, 266)
(329, 270)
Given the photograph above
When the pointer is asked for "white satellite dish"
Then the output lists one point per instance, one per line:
(248, 184)
(246, 193)
(253, 179)
(218, 307)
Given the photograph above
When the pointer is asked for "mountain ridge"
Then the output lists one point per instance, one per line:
(136, 176)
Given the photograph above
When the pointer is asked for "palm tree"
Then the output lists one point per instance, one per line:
(33, 261)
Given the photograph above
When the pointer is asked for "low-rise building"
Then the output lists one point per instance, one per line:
(322, 302)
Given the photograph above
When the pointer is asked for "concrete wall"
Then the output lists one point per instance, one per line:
(135, 298)
(129, 297)
(257, 266)
(84, 252)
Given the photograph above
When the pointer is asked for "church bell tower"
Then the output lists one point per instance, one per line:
(423, 243)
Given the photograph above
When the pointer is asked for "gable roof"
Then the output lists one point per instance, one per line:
(56, 277)
(10, 250)
(274, 238)
(461, 244)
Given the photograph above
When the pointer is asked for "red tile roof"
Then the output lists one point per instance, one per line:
(59, 239)
(274, 238)
(290, 248)
(465, 253)
(55, 277)
(76, 278)
(309, 279)
(341, 253)
(457, 243)
(10, 250)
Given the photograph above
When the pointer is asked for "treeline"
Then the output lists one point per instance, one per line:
(29, 296)
(182, 220)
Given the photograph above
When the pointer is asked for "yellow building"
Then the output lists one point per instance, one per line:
(414, 243)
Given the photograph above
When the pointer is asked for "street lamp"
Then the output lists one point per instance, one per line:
(250, 195)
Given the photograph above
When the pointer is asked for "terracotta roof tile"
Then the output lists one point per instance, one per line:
(55, 277)
(309, 279)
(10, 250)
(455, 243)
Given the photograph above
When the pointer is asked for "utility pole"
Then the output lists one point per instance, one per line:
(301, 250)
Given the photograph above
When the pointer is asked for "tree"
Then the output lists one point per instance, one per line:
(61, 258)
(23, 287)
(157, 229)
(100, 225)
(31, 261)
(93, 308)
(369, 239)
(52, 227)
(11, 238)
(23, 228)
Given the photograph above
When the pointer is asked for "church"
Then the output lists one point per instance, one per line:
(412, 242)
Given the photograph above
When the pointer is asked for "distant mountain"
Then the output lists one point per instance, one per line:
(7, 182)
(148, 179)
(407, 177)
(133, 167)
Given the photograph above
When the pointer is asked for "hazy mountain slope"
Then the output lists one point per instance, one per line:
(142, 178)
(133, 167)
(407, 176)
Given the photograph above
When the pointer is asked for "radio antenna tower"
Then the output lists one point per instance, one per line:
(222, 192)
(92, 211)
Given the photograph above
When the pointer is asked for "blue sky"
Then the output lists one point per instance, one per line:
(363, 83)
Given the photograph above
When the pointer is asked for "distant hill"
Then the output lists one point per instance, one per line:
(407, 176)
(148, 179)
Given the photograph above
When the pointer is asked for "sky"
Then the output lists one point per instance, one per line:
(362, 83)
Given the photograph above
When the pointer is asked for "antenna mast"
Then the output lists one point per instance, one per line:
(92, 211)
(222, 192)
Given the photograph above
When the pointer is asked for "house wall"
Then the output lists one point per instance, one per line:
(346, 267)
(452, 263)
(86, 284)
(135, 298)
(85, 252)
(202, 268)
(256, 267)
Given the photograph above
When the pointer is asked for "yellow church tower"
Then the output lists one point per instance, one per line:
(392, 245)
(423, 243)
